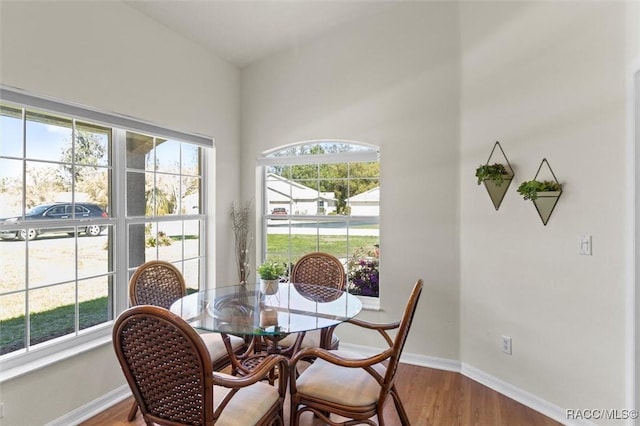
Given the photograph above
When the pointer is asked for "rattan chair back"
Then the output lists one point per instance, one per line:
(160, 283)
(157, 283)
(166, 366)
(320, 269)
(169, 371)
(326, 274)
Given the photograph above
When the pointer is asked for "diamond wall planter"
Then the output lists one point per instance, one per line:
(497, 192)
(544, 201)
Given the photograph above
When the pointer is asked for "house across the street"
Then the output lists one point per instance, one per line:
(296, 198)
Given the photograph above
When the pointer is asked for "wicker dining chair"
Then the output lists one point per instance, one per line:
(168, 369)
(160, 283)
(352, 385)
(157, 283)
(321, 269)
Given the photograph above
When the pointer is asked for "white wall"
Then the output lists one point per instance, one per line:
(393, 81)
(546, 79)
(107, 55)
(633, 185)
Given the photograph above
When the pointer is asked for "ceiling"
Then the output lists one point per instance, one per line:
(242, 32)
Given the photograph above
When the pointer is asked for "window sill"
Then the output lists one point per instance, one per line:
(370, 303)
(25, 363)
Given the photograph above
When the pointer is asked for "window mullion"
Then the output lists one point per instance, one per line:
(24, 161)
(120, 234)
(74, 138)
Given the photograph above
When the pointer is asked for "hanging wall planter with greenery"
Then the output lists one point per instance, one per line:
(495, 175)
(543, 193)
(532, 189)
(495, 172)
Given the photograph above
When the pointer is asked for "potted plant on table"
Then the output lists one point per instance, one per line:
(270, 272)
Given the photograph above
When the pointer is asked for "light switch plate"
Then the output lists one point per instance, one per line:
(585, 245)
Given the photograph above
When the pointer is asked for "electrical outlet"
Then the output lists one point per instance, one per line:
(506, 345)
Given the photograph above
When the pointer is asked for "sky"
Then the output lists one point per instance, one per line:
(44, 142)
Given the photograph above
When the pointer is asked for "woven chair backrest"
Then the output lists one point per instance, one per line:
(320, 269)
(165, 364)
(157, 283)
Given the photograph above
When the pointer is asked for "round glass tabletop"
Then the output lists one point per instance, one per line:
(252, 309)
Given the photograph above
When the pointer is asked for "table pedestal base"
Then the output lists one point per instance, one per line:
(258, 349)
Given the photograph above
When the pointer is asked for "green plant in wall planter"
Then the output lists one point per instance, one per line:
(495, 175)
(495, 172)
(532, 189)
(543, 193)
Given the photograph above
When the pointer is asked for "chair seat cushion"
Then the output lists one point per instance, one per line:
(311, 339)
(342, 385)
(215, 345)
(246, 407)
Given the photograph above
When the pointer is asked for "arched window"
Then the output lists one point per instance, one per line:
(324, 196)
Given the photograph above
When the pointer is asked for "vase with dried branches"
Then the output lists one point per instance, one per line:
(240, 216)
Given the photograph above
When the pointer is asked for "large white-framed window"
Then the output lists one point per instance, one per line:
(85, 198)
(324, 195)
(167, 222)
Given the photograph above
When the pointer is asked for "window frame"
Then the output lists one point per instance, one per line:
(370, 153)
(157, 219)
(24, 361)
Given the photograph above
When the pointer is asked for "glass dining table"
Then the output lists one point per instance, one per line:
(264, 316)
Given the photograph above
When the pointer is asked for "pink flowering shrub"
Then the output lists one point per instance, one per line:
(362, 272)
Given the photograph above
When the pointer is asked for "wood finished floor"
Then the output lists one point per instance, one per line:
(431, 397)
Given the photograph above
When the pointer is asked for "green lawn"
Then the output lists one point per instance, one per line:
(60, 321)
(278, 244)
(51, 324)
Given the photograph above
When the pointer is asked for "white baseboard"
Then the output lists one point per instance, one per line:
(532, 401)
(93, 408)
(409, 358)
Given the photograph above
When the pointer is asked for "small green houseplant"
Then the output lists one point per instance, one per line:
(496, 172)
(530, 189)
(270, 272)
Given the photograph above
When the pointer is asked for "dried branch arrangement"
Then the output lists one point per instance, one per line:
(240, 216)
